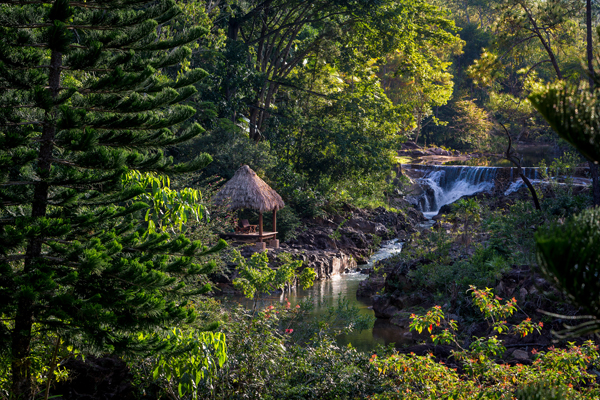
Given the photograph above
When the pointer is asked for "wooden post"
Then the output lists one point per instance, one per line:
(260, 227)
(275, 222)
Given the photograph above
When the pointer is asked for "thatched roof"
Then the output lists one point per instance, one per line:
(247, 190)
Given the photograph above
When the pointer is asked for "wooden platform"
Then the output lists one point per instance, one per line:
(248, 237)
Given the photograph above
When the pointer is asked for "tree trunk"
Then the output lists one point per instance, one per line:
(418, 129)
(509, 155)
(21, 385)
(254, 115)
(536, 202)
(595, 183)
(546, 44)
(590, 62)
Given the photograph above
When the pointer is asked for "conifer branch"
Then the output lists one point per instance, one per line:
(63, 162)
(75, 46)
(22, 123)
(16, 183)
(76, 4)
(80, 202)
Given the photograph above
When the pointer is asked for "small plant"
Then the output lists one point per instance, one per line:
(256, 277)
(337, 235)
(494, 311)
(168, 209)
(420, 377)
(49, 353)
(376, 243)
(193, 360)
(467, 211)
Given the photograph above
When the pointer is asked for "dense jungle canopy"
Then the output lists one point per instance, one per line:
(121, 119)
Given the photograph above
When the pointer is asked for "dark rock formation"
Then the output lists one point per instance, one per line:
(336, 244)
(355, 234)
(370, 286)
(325, 263)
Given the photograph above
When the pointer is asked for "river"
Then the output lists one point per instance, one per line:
(326, 293)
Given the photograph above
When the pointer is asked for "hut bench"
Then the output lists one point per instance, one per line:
(248, 237)
(247, 190)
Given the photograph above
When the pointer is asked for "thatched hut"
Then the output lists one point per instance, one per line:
(247, 190)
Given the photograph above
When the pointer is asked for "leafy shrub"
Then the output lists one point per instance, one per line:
(568, 255)
(193, 360)
(482, 269)
(280, 352)
(414, 377)
(48, 352)
(256, 277)
(510, 231)
(230, 149)
(543, 390)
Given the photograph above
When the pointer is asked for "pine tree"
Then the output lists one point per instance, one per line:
(87, 94)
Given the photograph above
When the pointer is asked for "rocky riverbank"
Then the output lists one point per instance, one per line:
(336, 244)
(437, 266)
(396, 269)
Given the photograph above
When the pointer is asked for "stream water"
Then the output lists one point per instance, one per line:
(327, 292)
(444, 184)
(441, 185)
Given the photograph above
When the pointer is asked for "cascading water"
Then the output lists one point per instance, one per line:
(445, 184)
(531, 173)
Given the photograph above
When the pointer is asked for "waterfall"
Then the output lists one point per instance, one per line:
(445, 184)
(533, 174)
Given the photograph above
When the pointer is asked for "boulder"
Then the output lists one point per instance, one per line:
(370, 286)
(523, 294)
(445, 209)
(383, 308)
(520, 355)
(409, 146)
(415, 216)
(365, 226)
(325, 263)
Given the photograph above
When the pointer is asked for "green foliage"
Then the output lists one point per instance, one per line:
(279, 353)
(229, 148)
(48, 354)
(350, 133)
(543, 390)
(169, 209)
(363, 191)
(256, 277)
(423, 378)
(467, 211)
(482, 269)
(193, 361)
(572, 111)
(559, 179)
(300, 79)
(89, 95)
(307, 277)
(568, 255)
(472, 124)
(511, 231)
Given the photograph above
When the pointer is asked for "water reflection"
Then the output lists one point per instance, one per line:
(326, 293)
(531, 156)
